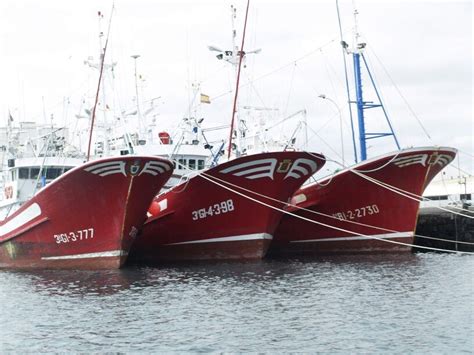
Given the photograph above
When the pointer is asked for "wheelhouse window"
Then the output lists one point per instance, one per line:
(181, 163)
(23, 173)
(34, 172)
(438, 198)
(200, 164)
(192, 164)
(52, 173)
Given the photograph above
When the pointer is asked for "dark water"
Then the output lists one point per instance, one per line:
(421, 303)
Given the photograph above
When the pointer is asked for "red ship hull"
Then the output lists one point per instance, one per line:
(210, 218)
(352, 211)
(87, 218)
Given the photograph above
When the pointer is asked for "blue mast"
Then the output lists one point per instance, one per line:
(362, 105)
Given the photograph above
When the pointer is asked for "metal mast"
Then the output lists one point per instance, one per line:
(241, 54)
(361, 104)
(102, 59)
(139, 114)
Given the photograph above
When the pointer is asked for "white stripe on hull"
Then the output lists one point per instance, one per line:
(342, 239)
(30, 213)
(235, 238)
(107, 168)
(104, 254)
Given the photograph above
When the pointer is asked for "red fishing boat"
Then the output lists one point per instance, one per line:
(227, 212)
(370, 207)
(84, 216)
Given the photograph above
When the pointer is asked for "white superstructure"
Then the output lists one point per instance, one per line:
(32, 156)
(457, 191)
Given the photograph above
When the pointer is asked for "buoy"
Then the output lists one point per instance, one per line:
(154, 209)
(8, 192)
(164, 137)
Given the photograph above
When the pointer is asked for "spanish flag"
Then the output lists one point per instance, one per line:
(205, 99)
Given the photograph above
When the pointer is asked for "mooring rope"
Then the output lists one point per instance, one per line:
(406, 194)
(324, 214)
(402, 193)
(392, 188)
(381, 167)
(211, 179)
(442, 240)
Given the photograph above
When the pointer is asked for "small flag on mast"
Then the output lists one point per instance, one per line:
(205, 99)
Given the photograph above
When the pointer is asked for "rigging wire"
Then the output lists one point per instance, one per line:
(60, 102)
(464, 152)
(214, 98)
(290, 88)
(451, 198)
(401, 95)
(323, 140)
(257, 93)
(331, 73)
(465, 172)
(343, 43)
(241, 57)
(379, 93)
(98, 85)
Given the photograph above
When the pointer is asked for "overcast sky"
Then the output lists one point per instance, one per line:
(421, 49)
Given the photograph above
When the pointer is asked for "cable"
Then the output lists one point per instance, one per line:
(308, 210)
(442, 240)
(214, 98)
(210, 178)
(405, 193)
(401, 95)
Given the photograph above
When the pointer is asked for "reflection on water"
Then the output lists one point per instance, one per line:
(107, 282)
(395, 303)
(75, 283)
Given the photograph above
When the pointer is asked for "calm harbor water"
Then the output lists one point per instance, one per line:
(421, 303)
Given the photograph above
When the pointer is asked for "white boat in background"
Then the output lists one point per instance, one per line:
(188, 154)
(451, 192)
(446, 217)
